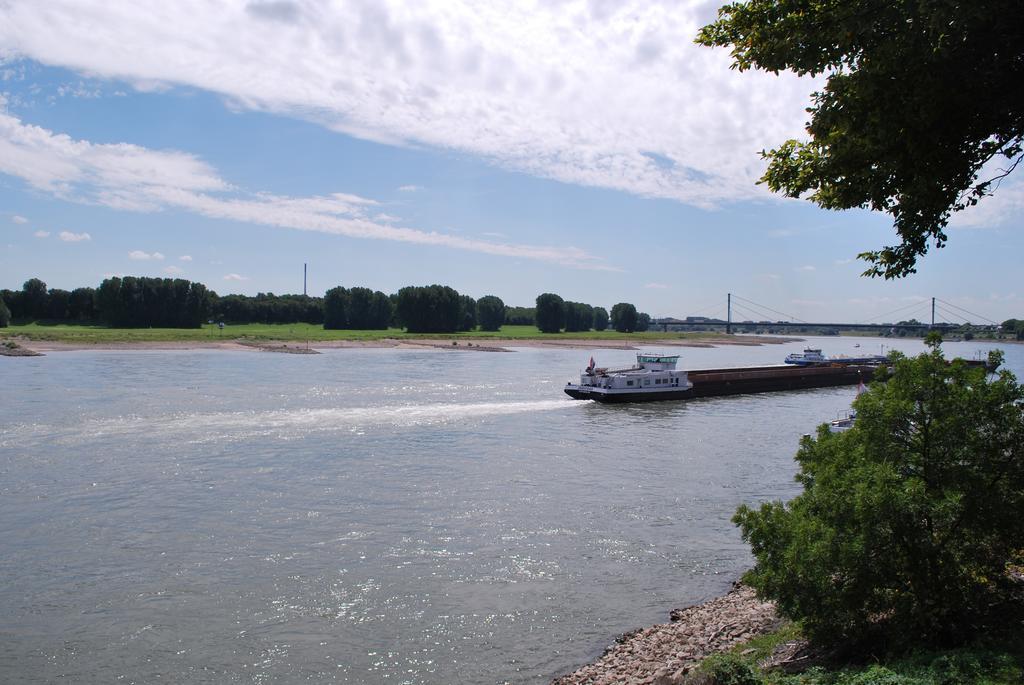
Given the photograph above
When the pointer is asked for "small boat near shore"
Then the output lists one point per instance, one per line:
(843, 423)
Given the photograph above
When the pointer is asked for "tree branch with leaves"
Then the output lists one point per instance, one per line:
(919, 97)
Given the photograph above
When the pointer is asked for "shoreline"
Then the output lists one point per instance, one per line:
(446, 344)
(663, 654)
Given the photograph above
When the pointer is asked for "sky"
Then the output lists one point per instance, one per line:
(589, 149)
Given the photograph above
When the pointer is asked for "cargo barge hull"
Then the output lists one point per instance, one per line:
(740, 381)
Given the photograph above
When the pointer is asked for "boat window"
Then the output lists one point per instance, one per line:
(647, 381)
(629, 382)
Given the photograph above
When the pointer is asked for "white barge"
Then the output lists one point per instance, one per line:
(653, 377)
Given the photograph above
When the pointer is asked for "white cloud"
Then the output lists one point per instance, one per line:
(782, 233)
(69, 237)
(130, 177)
(410, 189)
(235, 277)
(840, 262)
(19, 219)
(173, 270)
(1006, 203)
(806, 267)
(613, 95)
(42, 234)
(141, 256)
(185, 258)
(656, 286)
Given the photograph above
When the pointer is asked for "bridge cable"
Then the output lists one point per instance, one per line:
(956, 317)
(879, 316)
(965, 311)
(752, 315)
(789, 317)
(716, 308)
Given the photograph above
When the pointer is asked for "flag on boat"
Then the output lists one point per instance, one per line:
(591, 364)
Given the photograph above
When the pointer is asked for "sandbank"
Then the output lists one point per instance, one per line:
(440, 343)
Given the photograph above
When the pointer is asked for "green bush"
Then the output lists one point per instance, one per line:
(724, 669)
(953, 667)
(906, 523)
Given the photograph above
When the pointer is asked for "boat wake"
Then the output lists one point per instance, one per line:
(197, 427)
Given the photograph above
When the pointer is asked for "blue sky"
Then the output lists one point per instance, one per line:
(587, 149)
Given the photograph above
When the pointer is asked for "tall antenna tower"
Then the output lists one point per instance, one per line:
(303, 279)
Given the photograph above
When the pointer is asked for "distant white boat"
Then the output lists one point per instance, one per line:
(847, 420)
(812, 356)
(843, 423)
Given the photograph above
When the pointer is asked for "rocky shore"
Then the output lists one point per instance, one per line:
(663, 654)
(9, 348)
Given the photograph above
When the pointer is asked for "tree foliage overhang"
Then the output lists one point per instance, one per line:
(920, 95)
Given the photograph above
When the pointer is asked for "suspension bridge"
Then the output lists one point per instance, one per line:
(742, 314)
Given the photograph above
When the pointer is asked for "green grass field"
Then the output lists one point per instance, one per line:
(90, 334)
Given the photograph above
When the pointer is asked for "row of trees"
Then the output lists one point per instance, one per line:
(1014, 327)
(34, 301)
(357, 309)
(268, 308)
(153, 302)
(553, 314)
(418, 309)
(135, 302)
(177, 303)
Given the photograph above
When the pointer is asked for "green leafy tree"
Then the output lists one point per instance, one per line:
(467, 313)
(5, 315)
(550, 313)
(907, 522)
(33, 295)
(624, 317)
(491, 311)
(336, 308)
(381, 311)
(428, 309)
(198, 305)
(918, 97)
(160, 302)
(360, 305)
(82, 304)
(521, 316)
(578, 317)
(643, 322)
(14, 299)
(57, 304)
(1014, 327)
(600, 319)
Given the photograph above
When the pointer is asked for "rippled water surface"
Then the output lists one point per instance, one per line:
(367, 516)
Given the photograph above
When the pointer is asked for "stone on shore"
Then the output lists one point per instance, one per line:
(663, 654)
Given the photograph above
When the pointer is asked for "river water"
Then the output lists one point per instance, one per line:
(369, 516)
